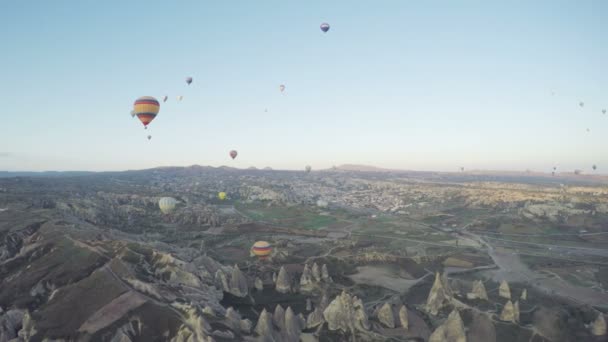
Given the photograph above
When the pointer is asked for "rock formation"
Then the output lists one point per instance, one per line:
(258, 284)
(481, 328)
(316, 272)
(264, 327)
(452, 330)
(10, 324)
(238, 283)
(315, 318)
(283, 283)
(524, 295)
(438, 297)
(292, 327)
(385, 315)
(306, 278)
(504, 291)
(346, 313)
(308, 304)
(478, 292)
(403, 317)
(278, 318)
(508, 313)
(598, 328)
(325, 273)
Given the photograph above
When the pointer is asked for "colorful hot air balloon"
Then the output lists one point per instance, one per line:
(167, 204)
(282, 88)
(261, 249)
(324, 27)
(146, 108)
(179, 97)
(165, 98)
(233, 154)
(308, 168)
(188, 80)
(221, 196)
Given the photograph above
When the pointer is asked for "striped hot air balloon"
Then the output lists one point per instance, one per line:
(167, 204)
(146, 108)
(261, 249)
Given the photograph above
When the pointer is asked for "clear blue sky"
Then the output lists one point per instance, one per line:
(424, 85)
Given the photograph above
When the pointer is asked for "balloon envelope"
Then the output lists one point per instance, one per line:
(308, 168)
(603, 111)
(149, 137)
(165, 98)
(282, 88)
(261, 248)
(179, 97)
(188, 80)
(167, 204)
(325, 27)
(233, 154)
(582, 104)
(146, 108)
(221, 196)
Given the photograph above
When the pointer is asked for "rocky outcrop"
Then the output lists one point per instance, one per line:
(478, 292)
(481, 328)
(508, 313)
(315, 318)
(452, 330)
(598, 328)
(385, 315)
(439, 296)
(283, 283)
(346, 313)
(308, 304)
(306, 278)
(10, 324)
(264, 328)
(278, 317)
(238, 283)
(504, 291)
(258, 284)
(292, 328)
(325, 273)
(316, 272)
(524, 295)
(27, 328)
(195, 328)
(403, 317)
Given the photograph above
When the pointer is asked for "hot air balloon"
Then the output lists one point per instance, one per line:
(132, 113)
(149, 137)
(221, 196)
(582, 104)
(308, 168)
(588, 130)
(594, 167)
(188, 80)
(146, 108)
(462, 169)
(167, 204)
(261, 249)
(282, 88)
(603, 111)
(324, 27)
(233, 154)
(179, 97)
(165, 98)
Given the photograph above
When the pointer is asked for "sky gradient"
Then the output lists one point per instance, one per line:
(430, 85)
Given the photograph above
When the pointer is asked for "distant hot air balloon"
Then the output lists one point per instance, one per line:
(462, 169)
(149, 137)
(146, 108)
(554, 168)
(221, 196)
(594, 167)
(308, 168)
(233, 154)
(324, 27)
(282, 88)
(588, 130)
(603, 111)
(179, 97)
(261, 249)
(582, 104)
(188, 80)
(167, 204)
(165, 98)
(132, 113)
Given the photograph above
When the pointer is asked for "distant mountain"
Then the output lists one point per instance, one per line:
(8, 174)
(363, 168)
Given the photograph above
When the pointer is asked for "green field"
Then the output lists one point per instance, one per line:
(294, 216)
